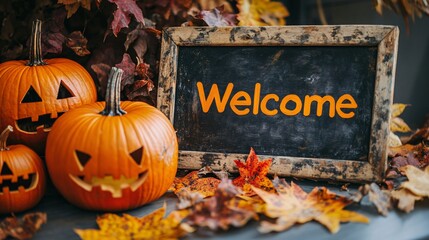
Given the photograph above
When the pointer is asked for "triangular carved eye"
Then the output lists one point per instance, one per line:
(137, 155)
(6, 170)
(64, 92)
(31, 96)
(83, 158)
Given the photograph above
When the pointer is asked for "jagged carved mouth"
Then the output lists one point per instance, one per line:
(110, 184)
(23, 183)
(31, 124)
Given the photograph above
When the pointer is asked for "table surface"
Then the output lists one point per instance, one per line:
(64, 217)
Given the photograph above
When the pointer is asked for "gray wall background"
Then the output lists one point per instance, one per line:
(412, 73)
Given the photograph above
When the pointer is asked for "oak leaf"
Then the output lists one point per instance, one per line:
(253, 173)
(206, 186)
(72, 6)
(220, 211)
(24, 228)
(405, 199)
(151, 226)
(261, 13)
(121, 16)
(418, 180)
(291, 205)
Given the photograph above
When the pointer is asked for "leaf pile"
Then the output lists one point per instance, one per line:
(100, 34)
(24, 228)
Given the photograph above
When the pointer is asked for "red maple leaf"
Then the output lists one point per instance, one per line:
(253, 173)
(121, 17)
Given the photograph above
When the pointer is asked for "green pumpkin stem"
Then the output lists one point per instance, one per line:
(3, 138)
(36, 45)
(113, 94)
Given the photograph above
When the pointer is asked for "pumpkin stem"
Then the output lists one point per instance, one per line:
(113, 94)
(3, 138)
(36, 45)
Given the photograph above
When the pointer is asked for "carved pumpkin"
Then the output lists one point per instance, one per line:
(114, 159)
(35, 92)
(22, 176)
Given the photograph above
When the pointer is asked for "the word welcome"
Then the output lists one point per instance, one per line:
(241, 102)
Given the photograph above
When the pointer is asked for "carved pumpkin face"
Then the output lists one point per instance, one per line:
(22, 179)
(112, 163)
(112, 155)
(35, 94)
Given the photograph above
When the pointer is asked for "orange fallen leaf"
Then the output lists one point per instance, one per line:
(261, 13)
(24, 228)
(206, 186)
(220, 211)
(253, 173)
(151, 226)
(292, 205)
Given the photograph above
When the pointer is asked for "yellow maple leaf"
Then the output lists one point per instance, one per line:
(292, 205)
(73, 5)
(261, 13)
(151, 226)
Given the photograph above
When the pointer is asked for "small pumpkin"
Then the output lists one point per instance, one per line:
(112, 155)
(36, 92)
(22, 176)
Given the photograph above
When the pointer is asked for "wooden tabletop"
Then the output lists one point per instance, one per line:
(64, 217)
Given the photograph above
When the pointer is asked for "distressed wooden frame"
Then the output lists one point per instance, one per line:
(384, 37)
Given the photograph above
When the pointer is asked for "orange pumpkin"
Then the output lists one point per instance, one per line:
(34, 93)
(22, 176)
(114, 159)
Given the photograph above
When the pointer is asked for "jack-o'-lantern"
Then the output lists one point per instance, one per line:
(35, 93)
(114, 159)
(22, 176)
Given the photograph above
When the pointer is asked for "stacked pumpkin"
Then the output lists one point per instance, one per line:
(102, 156)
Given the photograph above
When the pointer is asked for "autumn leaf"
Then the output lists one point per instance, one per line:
(77, 42)
(253, 173)
(73, 5)
(206, 186)
(121, 16)
(398, 124)
(261, 13)
(129, 68)
(217, 17)
(405, 199)
(219, 211)
(151, 226)
(291, 205)
(187, 198)
(24, 228)
(418, 180)
(380, 198)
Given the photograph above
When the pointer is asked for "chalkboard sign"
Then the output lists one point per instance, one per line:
(315, 99)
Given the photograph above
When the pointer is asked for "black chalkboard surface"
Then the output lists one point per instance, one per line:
(315, 99)
(302, 71)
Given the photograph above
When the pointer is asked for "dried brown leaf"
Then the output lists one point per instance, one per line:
(205, 186)
(24, 228)
(73, 5)
(219, 211)
(77, 42)
(418, 180)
